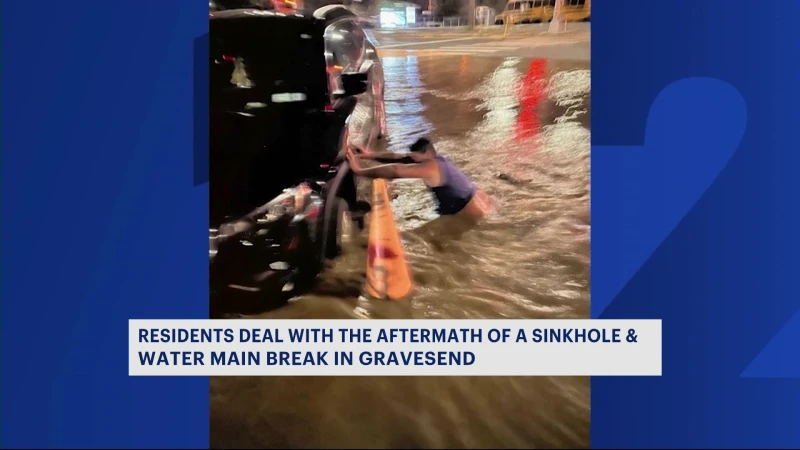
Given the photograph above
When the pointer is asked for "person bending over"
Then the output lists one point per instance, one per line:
(455, 193)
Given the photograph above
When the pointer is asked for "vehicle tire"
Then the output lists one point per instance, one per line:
(340, 228)
(306, 262)
(498, 22)
(358, 213)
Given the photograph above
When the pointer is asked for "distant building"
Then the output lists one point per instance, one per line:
(398, 14)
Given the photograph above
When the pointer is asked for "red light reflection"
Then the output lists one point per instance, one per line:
(463, 65)
(530, 95)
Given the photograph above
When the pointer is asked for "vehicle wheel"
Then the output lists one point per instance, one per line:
(358, 213)
(306, 266)
(498, 22)
(340, 230)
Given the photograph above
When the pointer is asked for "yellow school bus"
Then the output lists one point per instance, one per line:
(577, 10)
(526, 11)
(534, 11)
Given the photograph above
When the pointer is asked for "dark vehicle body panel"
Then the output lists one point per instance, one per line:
(279, 121)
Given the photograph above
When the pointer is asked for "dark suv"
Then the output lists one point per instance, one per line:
(287, 93)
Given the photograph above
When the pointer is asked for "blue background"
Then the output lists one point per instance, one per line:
(695, 218)
(102, 220)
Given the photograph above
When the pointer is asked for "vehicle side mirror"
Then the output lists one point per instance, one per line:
(354, 83)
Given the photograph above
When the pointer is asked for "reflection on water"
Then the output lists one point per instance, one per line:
(520, 129)
(405, 117)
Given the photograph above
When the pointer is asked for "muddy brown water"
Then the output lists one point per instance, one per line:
(520, 129)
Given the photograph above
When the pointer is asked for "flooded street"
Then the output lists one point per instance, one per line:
(519, 127)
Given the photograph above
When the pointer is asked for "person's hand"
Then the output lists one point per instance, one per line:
(353, 159)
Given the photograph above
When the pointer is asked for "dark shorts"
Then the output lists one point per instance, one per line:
(454, 205)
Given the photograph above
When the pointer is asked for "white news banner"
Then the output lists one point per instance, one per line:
(394, 347)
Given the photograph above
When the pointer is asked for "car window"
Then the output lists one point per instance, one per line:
(345, 41)
(266, 58)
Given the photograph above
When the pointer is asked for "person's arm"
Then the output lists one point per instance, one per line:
(392, 171)
(389, 156)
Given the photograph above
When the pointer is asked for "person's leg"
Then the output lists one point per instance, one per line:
(441, 226)
(481, 206)
(443, 230)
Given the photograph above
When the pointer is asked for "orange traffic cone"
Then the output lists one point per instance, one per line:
(388, 273)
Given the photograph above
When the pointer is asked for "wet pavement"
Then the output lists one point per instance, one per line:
(520, 128)
(530, 42)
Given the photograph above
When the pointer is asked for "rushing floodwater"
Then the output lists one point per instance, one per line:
(520, 129)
